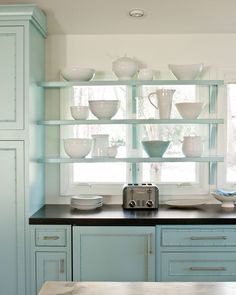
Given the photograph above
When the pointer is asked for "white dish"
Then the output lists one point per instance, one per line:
(104, 109)
(227, 201)
(95, 198)
(187, 71)
(86, 207)
(77, 74)
(185, 203)
(79, 112)
(77, 147)
(189, 110)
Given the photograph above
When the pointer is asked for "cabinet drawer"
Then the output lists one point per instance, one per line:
(50, 237)
(215, 266)
(192, 237)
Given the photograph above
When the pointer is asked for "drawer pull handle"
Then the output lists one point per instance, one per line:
(62, 265)
(207, 268)
(48, 238)
(208, 238)
(150, 247)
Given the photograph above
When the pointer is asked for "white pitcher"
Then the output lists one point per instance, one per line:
(164, 102)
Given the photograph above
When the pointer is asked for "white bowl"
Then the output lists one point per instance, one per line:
(77, 73)
(189, 110)
(77, 147)
(227, 201)
(186, 72)
(104, 109)
(79, 112)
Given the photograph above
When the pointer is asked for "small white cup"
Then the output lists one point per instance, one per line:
(145, 74)
(79, 112)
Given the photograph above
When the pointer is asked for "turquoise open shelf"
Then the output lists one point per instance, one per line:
(131, 121)
(131, 160)
(64, 84)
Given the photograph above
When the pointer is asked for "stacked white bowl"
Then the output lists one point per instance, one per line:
(86, 203)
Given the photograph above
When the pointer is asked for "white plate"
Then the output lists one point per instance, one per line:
(86, 201)
(185, 203)
(86, 207)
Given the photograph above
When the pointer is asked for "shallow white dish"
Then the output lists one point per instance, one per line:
(86, 207)
(186, 72)
(77, 74)
(86, 200)
(189, 110)
(227, 201)
(185, 203)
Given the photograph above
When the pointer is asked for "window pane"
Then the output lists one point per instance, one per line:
(168, 172)
(231, 135)
(102, 172)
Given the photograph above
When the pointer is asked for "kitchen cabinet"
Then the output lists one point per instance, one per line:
(133, 86)
(22, 35)
(196, 253)
(12, 77)
(50, 254)
(12, 227)
(113, 253)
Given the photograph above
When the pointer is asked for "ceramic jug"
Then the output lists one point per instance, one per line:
(164, 102)
(100, 145)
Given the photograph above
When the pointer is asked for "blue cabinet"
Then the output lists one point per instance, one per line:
(22, 35)
(12, 254)
(196, 253)
(113, 253)
(50, 254)
(12, 77)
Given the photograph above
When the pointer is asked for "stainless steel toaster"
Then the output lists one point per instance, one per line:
(140, 196)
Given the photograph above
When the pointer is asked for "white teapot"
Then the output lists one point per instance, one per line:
(125, 68)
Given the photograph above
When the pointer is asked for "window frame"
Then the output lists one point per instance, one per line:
(68, 187)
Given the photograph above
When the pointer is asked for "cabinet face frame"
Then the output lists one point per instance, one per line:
(12, 60)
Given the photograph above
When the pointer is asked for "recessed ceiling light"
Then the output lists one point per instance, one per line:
(136, 12)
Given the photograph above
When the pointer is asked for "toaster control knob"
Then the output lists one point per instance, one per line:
(132, 203)
(149, 203)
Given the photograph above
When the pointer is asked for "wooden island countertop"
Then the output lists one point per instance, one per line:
(154, 288)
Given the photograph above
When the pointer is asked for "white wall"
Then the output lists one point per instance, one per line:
(217, 51)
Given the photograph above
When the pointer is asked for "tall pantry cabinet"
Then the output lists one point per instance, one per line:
(22, 35)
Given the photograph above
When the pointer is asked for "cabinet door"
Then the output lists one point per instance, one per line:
(114, 254)
(50, 266)
(12, 230)
(11, 77)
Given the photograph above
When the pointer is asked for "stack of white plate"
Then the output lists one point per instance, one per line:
(86, 203)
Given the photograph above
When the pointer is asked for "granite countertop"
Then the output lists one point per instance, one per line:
(108, 288)
(115, 215)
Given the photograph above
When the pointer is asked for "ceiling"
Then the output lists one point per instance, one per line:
(161, 16)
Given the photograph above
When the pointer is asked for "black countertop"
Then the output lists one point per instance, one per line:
(114, 215)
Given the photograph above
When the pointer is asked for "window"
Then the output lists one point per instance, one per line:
(108, 178)
(229, 178)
